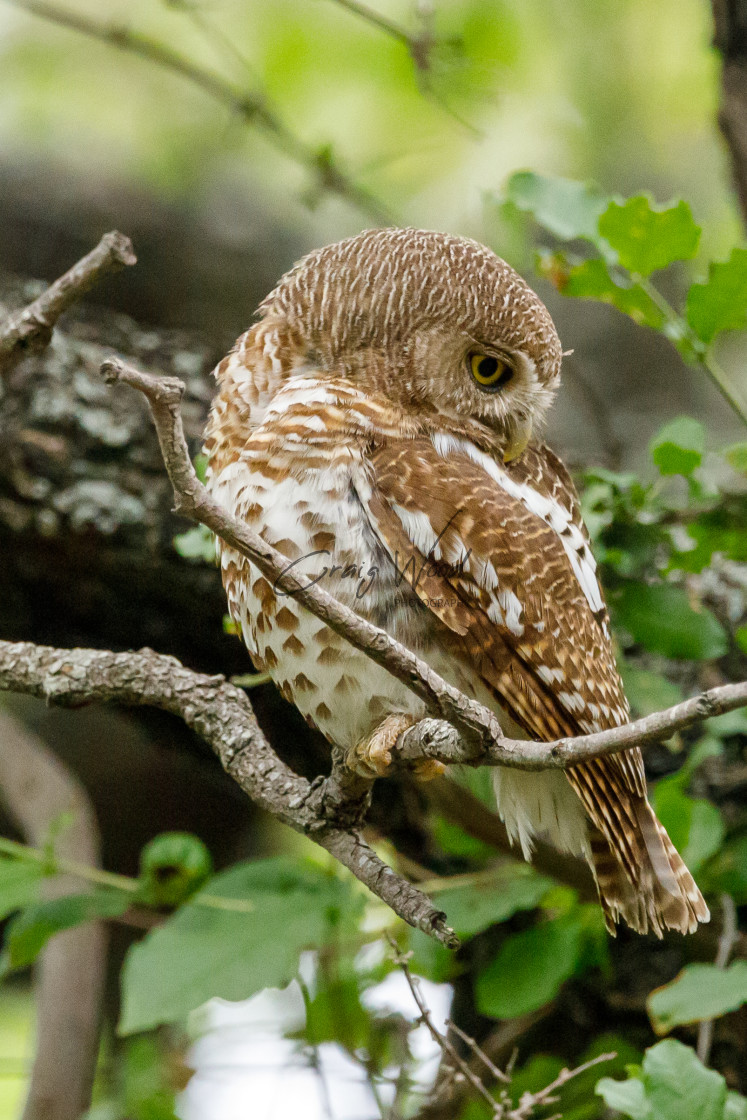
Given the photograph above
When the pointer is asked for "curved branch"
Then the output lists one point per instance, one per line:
(462, 731)
(222, 715)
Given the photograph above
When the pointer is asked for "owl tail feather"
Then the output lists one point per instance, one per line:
(658, 893)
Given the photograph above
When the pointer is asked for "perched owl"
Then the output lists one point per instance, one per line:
(375, 426)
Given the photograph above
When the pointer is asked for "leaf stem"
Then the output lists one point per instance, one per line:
(706, 358)
(719, 378)
(55, 866)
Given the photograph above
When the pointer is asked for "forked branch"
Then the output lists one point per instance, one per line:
(459, 730)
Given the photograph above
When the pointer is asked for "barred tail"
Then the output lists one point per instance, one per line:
(662, 895)
(640, 876)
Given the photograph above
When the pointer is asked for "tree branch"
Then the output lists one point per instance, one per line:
(222, 715)
(463, 731)
(31, 328)
(252, 106)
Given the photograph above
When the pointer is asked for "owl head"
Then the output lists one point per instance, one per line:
(434, 322)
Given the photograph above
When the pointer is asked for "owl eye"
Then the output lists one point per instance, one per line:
(490, 372)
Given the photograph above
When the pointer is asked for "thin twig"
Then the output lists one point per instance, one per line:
(31, 328)
(706, 359)
(500, 1108)
(726, 942)
(58, 865)
(193, 500)
(530, 1101)
(492, 1068)
(251, 105)
(447, 1047)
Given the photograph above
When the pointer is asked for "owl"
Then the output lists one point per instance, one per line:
(376, 426)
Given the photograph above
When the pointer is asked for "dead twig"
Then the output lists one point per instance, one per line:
(530, 1101)
(453, 1056)
(419, 44)
(491, 1067)
(30, 329)
(501, 1106)
(727, 940)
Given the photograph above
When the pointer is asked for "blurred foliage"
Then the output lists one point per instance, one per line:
(502, 87)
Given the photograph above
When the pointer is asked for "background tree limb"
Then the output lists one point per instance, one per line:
(252, 106)
(37, 789)
(730, 39)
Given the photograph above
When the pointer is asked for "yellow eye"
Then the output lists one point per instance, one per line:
(490, 372)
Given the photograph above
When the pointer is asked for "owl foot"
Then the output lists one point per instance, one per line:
(372, 756)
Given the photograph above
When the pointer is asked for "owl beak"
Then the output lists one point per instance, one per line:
(518, 438)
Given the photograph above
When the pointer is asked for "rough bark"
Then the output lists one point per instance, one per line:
(86, 521)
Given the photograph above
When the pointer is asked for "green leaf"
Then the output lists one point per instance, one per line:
(647, 238)
(454, 840)
(736, 1107)
(647, 691)
(31, 930)
(740, 637)
(432, 960)
(200, 464)
(700, 991)
(510, 888)
(716, 530)
(530, 968)
(335, 1014)
(592, 280)
(659, 616)
(196, 544)
(728, 870)
(721, 303)
(172, 866)
(672, 1085)
(736, 457)
(566, 208)
(19, 884)
(202, 952)
(628, 1097)
(728, 723)
(678, 447)
(679, 1087)
(694, 825)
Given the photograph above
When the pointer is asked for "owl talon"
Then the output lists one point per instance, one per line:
(426, 769)
(372, 756)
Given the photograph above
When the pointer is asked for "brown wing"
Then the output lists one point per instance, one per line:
(501, 556)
